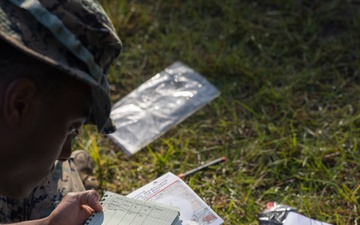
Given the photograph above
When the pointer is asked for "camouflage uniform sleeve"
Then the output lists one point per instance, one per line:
(44, 198)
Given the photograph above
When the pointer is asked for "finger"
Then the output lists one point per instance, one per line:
(84, 213)
(88, 210)
(91, 199)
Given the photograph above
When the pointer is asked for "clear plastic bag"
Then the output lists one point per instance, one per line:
(157, 105)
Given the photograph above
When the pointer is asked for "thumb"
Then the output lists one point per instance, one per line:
(91, 199)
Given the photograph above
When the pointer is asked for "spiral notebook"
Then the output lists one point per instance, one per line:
(121, 210)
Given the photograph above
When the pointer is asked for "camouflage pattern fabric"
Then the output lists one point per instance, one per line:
(42, 201)
(75, 36)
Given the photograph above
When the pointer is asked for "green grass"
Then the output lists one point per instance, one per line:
(288, 118)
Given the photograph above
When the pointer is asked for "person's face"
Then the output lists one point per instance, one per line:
(30, 147)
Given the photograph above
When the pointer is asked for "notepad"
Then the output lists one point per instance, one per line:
(121, 210)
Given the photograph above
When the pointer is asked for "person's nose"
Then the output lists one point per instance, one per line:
(66, 149)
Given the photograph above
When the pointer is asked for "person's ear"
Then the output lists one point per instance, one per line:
(19, 101)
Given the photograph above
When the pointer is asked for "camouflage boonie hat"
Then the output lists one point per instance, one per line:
(75, 36)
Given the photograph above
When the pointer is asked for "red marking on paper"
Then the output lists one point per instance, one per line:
(210, 217)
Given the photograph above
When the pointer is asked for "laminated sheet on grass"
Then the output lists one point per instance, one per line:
(159, 104)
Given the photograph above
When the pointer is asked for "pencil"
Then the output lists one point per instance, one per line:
(191, 172)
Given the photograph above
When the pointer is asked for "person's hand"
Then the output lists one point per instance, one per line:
(75, 208)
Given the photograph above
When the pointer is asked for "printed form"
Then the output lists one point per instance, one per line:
(169, 189)
(120, 210)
